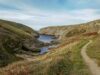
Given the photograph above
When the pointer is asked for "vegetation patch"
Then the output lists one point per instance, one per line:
(65, 60)
(79, 67)
(13, 37)
(94, 50)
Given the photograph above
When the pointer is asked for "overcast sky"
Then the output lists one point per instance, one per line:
(43, 13)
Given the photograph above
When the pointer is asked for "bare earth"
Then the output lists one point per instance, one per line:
(94, 68)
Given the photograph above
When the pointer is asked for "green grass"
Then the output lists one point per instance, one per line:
(12, 35)
(18, 25)
(79, 67)
(15, 30)
(94, 50)
(6, 57)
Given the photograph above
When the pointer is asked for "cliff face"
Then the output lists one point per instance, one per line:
(15, 38)
(63, 32)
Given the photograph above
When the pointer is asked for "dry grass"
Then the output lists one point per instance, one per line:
(65, 60)
(94, 50)
(79, 67)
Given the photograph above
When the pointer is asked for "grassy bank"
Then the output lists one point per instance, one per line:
(79, 67)
(94, 50)
(16, 38)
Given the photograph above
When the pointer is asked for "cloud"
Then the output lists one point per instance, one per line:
(37, 18)
(86, 14)
(47, 18)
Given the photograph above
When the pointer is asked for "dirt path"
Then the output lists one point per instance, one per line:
(94, 68)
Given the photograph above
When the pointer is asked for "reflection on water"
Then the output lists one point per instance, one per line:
(44, 50)
(45, 39)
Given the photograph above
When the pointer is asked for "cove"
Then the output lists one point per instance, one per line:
(46, 39)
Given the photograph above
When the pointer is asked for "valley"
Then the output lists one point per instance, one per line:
(55, 50)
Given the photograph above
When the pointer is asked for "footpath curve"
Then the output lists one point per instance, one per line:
(93, 67)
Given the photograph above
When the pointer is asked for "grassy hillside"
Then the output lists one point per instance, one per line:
(65, 60)
(65, 32)
(15, 38)
(94, 50)
(17, 28)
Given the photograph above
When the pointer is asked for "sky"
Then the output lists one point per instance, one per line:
(42, 13)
